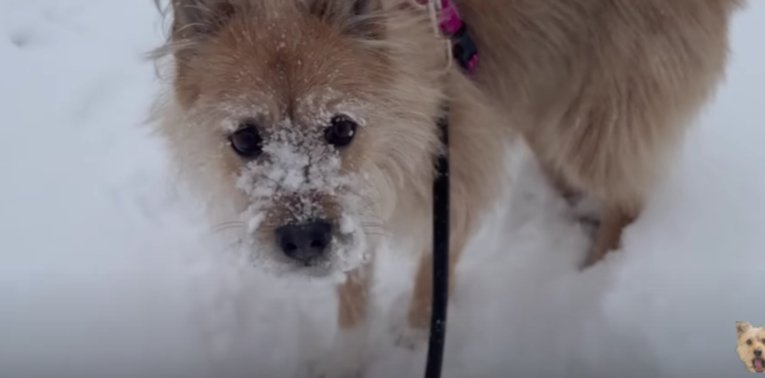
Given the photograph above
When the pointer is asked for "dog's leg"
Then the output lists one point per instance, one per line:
(346, 356)
(618, 204)
(417, 321)
(612, 222)
(418, 317)
(419, 309)
(554, 177)
(475, 182)
(353, 298)
(581, 208)
(565, 190)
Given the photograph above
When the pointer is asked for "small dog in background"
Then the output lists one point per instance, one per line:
(751, 345)
(309, 126)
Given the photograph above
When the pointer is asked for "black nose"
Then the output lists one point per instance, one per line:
(305, 242)
(757, 352)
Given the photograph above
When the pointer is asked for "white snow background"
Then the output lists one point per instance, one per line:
(106, 269)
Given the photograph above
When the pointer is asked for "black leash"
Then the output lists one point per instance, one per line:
(440, 255)
(465, 53)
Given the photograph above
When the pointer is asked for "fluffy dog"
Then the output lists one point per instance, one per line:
(751, 344)
(310, 125)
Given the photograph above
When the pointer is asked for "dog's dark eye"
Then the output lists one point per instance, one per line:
(749, 342)
(247, 141)
(341, 131)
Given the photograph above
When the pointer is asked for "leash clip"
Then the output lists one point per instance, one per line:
(447, 22)
(435, 8)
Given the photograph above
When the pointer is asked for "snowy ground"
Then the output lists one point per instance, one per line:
(105, 270)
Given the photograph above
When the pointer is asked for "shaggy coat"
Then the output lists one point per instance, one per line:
(601, 90)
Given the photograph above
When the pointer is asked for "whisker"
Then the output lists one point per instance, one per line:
(380, 234)
(222, 230)
(227, 225)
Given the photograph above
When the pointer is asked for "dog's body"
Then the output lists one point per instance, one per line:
(321, 115)
(751, 346)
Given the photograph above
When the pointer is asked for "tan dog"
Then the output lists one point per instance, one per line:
(751, 345)
(310, 125)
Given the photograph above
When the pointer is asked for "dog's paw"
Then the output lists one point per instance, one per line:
(409, 325)
(411, 338)
(345, 358)
(336, 369)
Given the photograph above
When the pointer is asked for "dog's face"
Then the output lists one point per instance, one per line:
(751, 346)
(301, 122)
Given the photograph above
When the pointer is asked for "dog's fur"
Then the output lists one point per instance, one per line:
(600, 89)
(751, 346)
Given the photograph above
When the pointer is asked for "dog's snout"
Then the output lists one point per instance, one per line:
(758, 352)
(305, 242)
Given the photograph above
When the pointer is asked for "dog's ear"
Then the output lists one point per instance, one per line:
(358, 17)
(742, 327)
(195, 18)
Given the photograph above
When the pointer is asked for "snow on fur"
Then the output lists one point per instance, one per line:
(298, 166)
(106, 268)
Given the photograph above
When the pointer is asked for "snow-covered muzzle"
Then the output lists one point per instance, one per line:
(305, 214)
(305, 202)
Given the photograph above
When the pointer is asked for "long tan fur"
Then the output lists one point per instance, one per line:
(600, 89)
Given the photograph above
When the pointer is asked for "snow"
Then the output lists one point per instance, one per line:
(299, 167)
(107, 269)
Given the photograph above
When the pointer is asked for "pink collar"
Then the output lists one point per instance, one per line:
(452, 25)
(451, 21)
